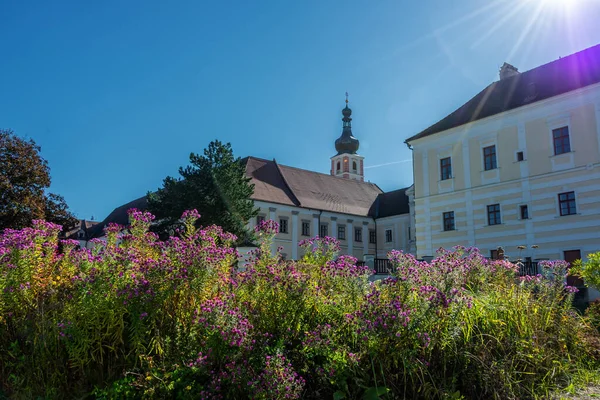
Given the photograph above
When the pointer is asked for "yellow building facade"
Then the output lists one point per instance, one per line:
(518, 166)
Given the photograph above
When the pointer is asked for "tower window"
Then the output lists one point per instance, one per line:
(354, 166)
(338, 166)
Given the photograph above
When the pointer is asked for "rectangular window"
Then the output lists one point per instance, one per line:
(283, 225)
(567, 203)
(408, 229)
(449, 221)
(324, 230)
(341, 232)
(388, 236)
(489, 158)
(372, 236)
(305, 228)
(260, 219)
(493, 212)
(520, 156)
(446, 168)
(524, 212)
(358, 234)
(560, 137)
(494, 254)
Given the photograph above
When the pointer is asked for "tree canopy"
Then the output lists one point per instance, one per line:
(215, 184)
(24, 178)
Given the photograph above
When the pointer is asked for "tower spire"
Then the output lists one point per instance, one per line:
(347, 163)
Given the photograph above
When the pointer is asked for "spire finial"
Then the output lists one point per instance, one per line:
(346, 98)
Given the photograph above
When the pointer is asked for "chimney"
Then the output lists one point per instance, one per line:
(507, 70)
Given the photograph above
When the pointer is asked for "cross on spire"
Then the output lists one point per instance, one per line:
(346, 97)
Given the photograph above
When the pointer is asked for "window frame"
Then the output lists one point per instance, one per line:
(372, 236)
(564, 140)
(496, 212)
(358, 235)
(492, 156)
(448, 222)
(389, 236)
(570, 202)
(260, 218)
(282, 225)
(520, 156)
(524, 207)
(306, 224)
(445, 169)
(494, 254)
(323, 227)
(341, 232)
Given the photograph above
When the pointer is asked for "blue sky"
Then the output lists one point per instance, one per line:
(119, 93)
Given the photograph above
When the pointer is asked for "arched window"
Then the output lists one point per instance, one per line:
(338, 165)
(354, 165)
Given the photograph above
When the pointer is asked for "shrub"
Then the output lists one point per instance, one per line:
(136, 317)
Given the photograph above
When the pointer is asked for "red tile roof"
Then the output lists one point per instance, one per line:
(308, 189)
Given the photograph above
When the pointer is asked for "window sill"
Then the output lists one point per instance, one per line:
(446, 180)
(566, 153)
(567, 215)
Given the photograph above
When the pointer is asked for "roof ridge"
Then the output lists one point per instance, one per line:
(558, 59)
(557, 77)
(295, 200)
(314, 172)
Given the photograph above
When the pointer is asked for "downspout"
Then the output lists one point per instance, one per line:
(319, 227)
(376, 251)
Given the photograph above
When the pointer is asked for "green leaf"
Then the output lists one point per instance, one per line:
(339, 395)
(373, 393)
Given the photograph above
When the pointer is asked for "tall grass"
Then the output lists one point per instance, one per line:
(140, 318)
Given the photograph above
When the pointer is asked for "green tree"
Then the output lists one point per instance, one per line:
(589, 270)
(24, 178)
(215, 184)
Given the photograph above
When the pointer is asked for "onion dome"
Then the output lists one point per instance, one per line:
(346, 143)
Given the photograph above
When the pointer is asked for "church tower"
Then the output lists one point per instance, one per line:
(346, 163)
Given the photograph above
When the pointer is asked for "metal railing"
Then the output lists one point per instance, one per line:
(383, 266)
(527, 267)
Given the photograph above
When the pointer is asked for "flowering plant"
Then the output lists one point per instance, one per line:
(137, 317)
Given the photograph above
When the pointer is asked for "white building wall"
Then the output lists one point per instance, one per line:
(535, 182)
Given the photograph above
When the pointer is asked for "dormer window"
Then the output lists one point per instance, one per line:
(80, 235)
